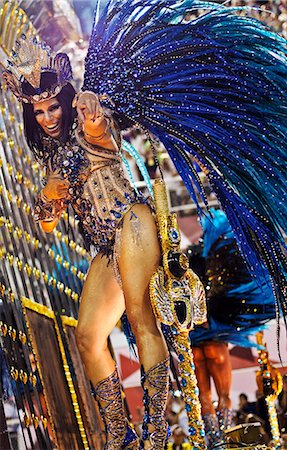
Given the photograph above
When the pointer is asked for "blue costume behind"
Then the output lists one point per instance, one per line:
(237, 304)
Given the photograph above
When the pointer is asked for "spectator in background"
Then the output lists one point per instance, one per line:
(262, 413)
(172, 410)
(178, 408)
(179, 439)
(245, 408)
(272, 12)
(187, 17)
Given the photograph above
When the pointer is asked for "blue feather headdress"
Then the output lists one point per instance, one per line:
(237, 304)
(214, 90)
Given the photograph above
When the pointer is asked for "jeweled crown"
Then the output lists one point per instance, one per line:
(29, 59)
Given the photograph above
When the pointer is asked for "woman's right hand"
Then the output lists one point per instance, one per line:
(88, 106)
(56, 189)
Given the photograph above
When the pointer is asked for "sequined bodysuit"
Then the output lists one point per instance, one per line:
(99, 192)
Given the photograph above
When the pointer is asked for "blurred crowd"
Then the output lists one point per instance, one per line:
(271, 12)
(154, 155)
(148, 148)
(249, 412)
(246, 413)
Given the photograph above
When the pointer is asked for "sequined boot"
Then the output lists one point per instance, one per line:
(155, 384)
(118, 432)
(211, 429)
(224, 416)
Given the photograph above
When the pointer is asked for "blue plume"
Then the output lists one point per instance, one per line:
(238, 304)
(214, 90)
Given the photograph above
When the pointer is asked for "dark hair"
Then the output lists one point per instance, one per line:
(243, 396)
(33, 131)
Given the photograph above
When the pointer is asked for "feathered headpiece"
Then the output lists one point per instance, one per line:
(30, 59)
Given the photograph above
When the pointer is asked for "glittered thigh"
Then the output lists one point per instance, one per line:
(136, 236)
(114, 254)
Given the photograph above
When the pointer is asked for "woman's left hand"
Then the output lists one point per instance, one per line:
(56, 189)
(88, 106)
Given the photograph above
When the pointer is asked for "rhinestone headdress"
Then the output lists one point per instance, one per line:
(30, 59)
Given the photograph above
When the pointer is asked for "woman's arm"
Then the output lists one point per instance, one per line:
(51, 203)
(97, 127)
(98, 132)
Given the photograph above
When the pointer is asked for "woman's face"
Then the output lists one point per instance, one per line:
(49, 116)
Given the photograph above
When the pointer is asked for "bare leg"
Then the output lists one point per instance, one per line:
(220, 369)
(102, 305)
(139, 258)
(208, 412)
(203, 381)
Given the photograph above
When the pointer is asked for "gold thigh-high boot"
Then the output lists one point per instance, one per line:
(119, 434)
(155, 384)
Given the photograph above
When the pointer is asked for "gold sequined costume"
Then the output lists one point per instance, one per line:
(98, 191)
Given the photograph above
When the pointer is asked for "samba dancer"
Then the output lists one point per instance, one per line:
(215, 89)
